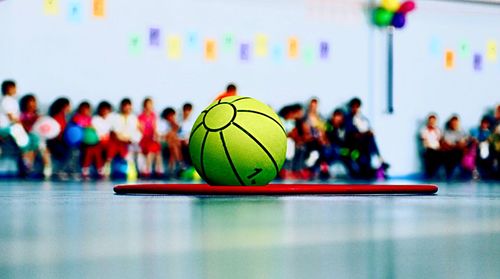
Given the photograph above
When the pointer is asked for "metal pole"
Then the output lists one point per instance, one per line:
(390, 70)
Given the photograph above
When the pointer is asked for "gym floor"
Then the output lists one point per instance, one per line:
(83, 230)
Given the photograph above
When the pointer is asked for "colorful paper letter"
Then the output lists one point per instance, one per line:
(174, 47)
(464, 49)
(308, 55)
(449, 59)
(435, 46)
(245, 51)
(491, 50)
(154, 36)
(324, 50)
(228, 42)
(192, 40)
(261, 45)
(210, 50)
(51, 7)
(478, 62)
(135, 44)
(75, 11)
(293, 48)
(277, 53)
(99, 8)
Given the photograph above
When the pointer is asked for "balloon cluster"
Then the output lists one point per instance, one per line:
(392, 13)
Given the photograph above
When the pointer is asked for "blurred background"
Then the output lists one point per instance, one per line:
(281, 52)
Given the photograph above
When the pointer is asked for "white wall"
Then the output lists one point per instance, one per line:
(51, 56)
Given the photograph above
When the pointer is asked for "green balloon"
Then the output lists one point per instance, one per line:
(382, 17)
(90, 136)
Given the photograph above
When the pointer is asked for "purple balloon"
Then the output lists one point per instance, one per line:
(398, 20)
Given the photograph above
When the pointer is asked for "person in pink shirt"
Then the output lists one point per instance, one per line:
(83, 115)
(149, 144)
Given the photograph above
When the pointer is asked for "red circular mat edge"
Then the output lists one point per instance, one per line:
(276, 189)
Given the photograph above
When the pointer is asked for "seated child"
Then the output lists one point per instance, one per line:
(149, 144)
(431, 137)
(169, 131)
(453, 145)
(124, 133)
(101, 122)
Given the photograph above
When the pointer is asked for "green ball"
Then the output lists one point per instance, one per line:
(382, 17)
(90, 136)
(238, 141)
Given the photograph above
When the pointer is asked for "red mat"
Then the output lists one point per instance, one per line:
(275, 189)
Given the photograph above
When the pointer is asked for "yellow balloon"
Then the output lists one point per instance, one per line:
(391, 5)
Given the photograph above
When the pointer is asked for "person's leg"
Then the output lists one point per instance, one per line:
(88, 156)
(28, 160)
(74, 162)
(452, 160)
(432, 162)
(58, 151)
(496, 165)
(149, 164)
(185, 153)
(372, 144)
(158, 161)
(177, 156)
(97, 156)
(47, 163)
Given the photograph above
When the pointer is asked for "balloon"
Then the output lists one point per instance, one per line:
(390, 5)
(73, 135)
(90, 136)
(398, 20)
(382, 17)
(19, 135)
(407, 7)
(47, 127)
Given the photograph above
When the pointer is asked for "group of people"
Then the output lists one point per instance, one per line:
(93, 142)
(452, 152)
(316, 146)
(107, 142)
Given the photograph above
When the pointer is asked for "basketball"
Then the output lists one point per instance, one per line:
(238, 141)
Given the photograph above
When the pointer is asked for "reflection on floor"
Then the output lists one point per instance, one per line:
(83, 230)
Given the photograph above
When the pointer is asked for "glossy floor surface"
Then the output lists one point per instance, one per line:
(83, 230)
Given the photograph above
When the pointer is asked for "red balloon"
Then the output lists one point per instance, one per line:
(407, 7)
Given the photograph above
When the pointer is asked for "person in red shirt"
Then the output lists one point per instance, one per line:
(150, 146)
(231, 90)
(83, 115)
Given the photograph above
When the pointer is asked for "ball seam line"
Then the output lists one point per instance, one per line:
(259, 144)
(240, 99)
(201, 156)
(230, 160)
(194, 130)
(225, 126)
(263, 114)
